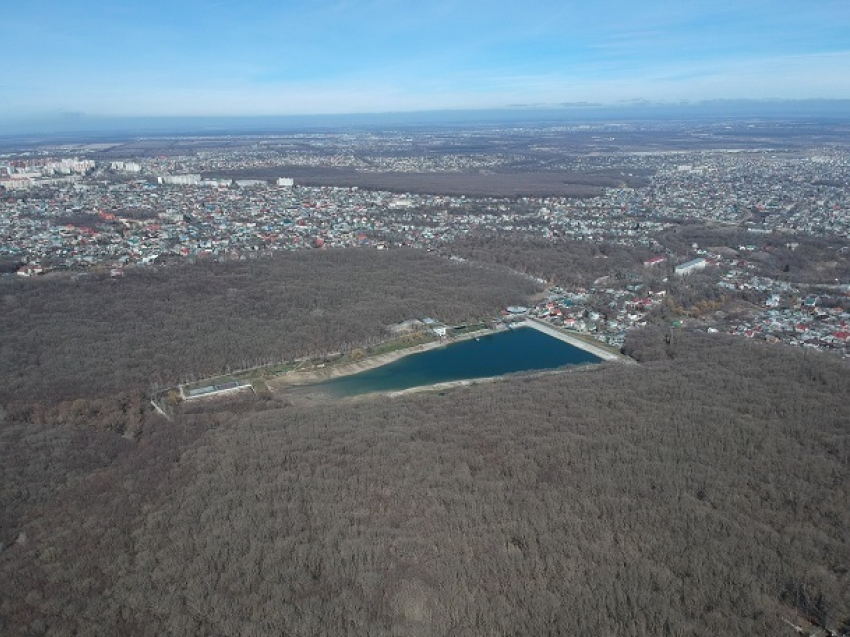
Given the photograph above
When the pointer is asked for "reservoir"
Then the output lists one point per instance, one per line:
(518, 350)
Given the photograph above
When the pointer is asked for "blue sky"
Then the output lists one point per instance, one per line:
(219, 57)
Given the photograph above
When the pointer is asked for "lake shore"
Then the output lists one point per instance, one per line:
(307, 394)
(304, 385)
(316, 375)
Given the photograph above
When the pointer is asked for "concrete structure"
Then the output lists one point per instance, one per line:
(691, 266)
(180, 180)
(213, 390)
(554, 332)
(125, 166)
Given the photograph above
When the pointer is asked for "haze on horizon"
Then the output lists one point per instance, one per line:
(193, 58)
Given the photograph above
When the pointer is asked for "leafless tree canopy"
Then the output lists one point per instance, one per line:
(701, 492)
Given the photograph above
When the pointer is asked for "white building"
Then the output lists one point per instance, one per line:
(180, 180)
(125, 167)
(691, 266)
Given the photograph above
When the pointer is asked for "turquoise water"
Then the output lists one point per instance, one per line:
(520, 350)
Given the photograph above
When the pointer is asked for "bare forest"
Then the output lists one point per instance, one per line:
(702, 491)
(507, 184)
(564, 262)
(100, 338)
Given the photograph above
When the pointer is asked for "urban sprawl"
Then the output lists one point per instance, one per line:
(60, 212)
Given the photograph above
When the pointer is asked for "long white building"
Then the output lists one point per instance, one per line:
(690, 266)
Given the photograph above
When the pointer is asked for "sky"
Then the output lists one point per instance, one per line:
(102, 58)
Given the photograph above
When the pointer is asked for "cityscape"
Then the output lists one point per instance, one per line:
(80, 210)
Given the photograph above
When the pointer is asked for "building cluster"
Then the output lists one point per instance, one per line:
(819, 328)
(42, 171)
(605, 313)
(62, 212)
(790, 314)
(98, 220)
(363, 152)
(767, 191)
(819, 322)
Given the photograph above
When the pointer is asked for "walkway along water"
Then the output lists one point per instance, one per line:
(554, 332)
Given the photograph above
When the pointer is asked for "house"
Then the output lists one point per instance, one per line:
(30, 270)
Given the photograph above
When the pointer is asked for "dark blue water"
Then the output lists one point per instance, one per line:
(518, 350)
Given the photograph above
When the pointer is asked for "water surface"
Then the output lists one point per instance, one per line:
(519, 350)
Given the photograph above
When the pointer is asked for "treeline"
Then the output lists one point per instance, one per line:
(508, 184)
(9, 264)
(94, 337)
(564, 262)
(702, 493)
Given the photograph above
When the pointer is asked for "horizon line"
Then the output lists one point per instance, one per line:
(71, 122)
